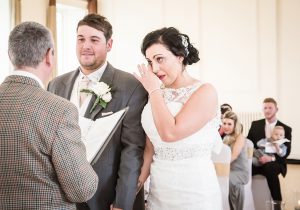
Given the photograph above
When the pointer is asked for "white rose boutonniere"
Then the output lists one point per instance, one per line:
(102, 92)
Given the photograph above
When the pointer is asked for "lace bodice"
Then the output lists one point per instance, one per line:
(199, 144)
(182, 175)
(180, 95)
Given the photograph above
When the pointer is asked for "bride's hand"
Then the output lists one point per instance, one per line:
(148, 79)
(112, 208)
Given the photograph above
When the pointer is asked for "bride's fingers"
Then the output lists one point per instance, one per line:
(144, 68)
(137, 76)
(147, 69)
(141, 70)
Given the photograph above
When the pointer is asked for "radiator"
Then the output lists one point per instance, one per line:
(246, 119)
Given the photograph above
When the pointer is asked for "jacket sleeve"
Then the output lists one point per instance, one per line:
(77, 178)
(133, 141)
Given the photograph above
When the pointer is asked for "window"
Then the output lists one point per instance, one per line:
(67, 17)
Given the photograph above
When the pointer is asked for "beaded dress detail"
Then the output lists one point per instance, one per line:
(182, 175)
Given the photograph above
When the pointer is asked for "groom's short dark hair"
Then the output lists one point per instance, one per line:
(97, 22)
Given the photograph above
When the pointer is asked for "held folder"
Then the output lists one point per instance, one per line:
(97, 134)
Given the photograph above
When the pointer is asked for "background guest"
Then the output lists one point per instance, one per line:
(224, 108)
(272, 166)
(239, 175)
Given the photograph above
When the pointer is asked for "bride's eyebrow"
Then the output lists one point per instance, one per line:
(154, 56)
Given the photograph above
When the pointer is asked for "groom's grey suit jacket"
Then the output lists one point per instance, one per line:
(119, 166)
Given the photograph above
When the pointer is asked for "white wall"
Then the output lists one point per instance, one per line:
(289, 68)
(237, 41)
(249, 49)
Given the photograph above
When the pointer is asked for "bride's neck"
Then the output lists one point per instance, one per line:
(183, 80)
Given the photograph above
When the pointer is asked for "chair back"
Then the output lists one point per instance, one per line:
(222, 166)
(248, 202)
(261, 192)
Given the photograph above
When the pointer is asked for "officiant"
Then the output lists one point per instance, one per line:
(119, 165)
(43, 160)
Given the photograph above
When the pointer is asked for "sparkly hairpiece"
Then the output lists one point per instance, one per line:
(185, 44)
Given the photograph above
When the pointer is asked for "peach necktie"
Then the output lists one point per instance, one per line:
(83, 84)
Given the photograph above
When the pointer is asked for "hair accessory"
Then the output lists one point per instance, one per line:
(185, 44)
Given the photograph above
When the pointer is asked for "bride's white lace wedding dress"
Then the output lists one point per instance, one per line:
(182, 175)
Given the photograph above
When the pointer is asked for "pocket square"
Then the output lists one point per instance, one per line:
(106, 113)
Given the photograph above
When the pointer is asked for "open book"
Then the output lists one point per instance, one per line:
(96, 134)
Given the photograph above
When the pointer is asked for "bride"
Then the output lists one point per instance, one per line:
(181, 124)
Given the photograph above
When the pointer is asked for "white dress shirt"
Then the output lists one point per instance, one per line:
(28, 74)
(269, 128)
(94, 77)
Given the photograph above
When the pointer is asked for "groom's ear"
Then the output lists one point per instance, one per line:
(109, 44)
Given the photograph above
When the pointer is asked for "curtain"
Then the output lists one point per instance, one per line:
(15, 12)
(51, 24)
(92, 6)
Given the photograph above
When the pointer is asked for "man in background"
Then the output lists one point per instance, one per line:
(271, 166)
(43, 161)
(120, 163)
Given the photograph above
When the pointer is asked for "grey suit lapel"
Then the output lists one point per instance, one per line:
(107, 78)
(68, 84)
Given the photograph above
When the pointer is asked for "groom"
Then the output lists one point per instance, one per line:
(119, 166)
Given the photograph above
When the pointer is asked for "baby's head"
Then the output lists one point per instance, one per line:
(277, 133)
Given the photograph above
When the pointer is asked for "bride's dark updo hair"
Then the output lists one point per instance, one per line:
(178, 43)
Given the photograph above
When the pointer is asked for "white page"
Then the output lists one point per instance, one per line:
(94, 133)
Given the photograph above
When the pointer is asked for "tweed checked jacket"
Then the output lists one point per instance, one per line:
(42, 159)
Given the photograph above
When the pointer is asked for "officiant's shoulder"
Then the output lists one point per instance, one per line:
(62, 102)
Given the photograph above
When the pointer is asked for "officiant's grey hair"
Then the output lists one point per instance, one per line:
(28, 44)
